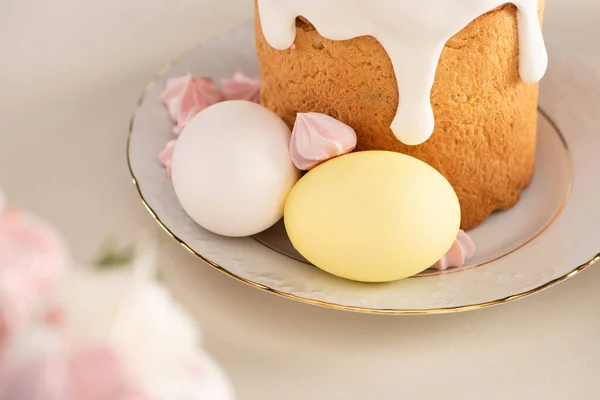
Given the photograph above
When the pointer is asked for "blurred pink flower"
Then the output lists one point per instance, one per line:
(3, 331)
(186, 96)
(54, 317)
(44, 315)
(242, 87)
(97, 373)
(41, 379)
(32, 258)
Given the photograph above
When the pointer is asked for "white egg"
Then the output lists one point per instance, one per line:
(232, 170)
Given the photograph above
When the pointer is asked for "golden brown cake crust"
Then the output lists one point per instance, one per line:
(485, 115)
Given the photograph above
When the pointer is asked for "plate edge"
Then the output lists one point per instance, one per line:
(304, 300)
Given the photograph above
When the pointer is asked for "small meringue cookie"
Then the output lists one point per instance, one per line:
(317, 138)
(165, 157)
(188, 92)
(461, 251)
(241, 87)
(100, 371)
(32, 259)
(185, 118)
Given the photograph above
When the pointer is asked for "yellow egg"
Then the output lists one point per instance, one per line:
(373, 216)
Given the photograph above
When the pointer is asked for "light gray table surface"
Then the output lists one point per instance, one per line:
(70, 75)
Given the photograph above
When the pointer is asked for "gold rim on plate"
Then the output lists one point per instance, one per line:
(268, 289)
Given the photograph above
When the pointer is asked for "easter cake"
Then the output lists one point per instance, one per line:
(379, 131)
(390, 69)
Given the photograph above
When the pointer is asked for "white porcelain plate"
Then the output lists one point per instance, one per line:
(552, 234)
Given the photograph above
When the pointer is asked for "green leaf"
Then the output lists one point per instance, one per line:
(114, 256)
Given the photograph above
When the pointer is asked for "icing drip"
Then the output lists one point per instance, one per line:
(413, 33)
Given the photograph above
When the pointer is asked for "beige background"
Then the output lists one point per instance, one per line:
(70, 74)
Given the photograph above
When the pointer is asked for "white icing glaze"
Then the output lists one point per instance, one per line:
(413, 33)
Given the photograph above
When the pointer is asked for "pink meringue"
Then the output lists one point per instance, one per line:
(32, 259)
(241, 87)
(95, 373)
(185, 118)
(166, 156)
(5, 331)
(461, 251)
(98, 373)
(43, 377)
(188, 94)
(317, 138)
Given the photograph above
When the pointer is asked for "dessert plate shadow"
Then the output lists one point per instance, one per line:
(550, 236)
